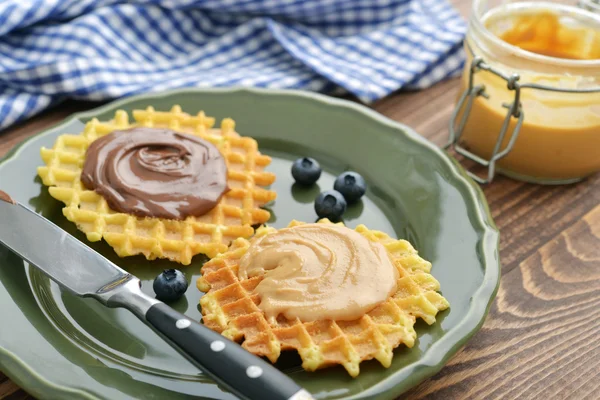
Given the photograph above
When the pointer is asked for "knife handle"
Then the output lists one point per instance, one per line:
(249, 376)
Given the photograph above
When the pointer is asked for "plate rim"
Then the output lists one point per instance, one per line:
(434, 359)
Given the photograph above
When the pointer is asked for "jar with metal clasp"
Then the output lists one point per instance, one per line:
(529, 105)
(590, 5)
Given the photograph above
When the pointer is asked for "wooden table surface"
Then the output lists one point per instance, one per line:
(541, 339)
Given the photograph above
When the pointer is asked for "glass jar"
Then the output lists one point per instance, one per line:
(590, 5)
(530, 109)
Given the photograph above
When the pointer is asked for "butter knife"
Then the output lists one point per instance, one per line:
(86, 273)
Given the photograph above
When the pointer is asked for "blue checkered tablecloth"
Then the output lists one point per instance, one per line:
(51, 50)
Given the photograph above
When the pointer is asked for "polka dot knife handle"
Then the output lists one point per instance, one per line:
(246, 375)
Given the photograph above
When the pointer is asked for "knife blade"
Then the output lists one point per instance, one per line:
(86, 273)
(65, 259)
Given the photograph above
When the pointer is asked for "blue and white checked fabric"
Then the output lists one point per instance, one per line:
(51, 50)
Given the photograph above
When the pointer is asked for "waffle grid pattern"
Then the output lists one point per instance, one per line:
(176, 240)
(230, 308)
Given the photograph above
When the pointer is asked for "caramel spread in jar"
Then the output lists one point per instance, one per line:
(544, 34)
(559, 137)
(317, 272)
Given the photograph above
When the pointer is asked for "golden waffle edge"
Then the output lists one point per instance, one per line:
(178, 241)
(230, 308)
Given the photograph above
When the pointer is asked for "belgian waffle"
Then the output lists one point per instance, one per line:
(230, 308)
(179, 241)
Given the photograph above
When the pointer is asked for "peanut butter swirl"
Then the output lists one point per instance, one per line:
(317, 272)
(159, 173)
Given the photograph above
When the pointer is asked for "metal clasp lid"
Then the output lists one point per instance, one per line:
(515, 110)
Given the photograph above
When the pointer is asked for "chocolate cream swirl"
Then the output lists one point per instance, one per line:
(318, 272)
(150, 172)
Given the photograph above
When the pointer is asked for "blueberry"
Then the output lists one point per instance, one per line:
(170, 285)
(330, 204)
(351, 185)
(306, 171)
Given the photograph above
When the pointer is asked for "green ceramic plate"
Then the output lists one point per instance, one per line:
(58, 346)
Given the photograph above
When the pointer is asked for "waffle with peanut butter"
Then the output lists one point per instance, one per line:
(231, 307)
(178, 240)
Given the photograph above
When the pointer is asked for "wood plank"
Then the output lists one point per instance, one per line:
(7, 387)
(540, 340)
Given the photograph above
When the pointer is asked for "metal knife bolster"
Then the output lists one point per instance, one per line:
(126, 293)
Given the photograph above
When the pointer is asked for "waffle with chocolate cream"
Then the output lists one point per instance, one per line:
(178, 240)
(230, 307)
